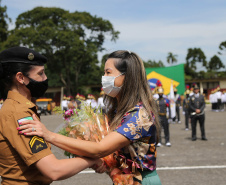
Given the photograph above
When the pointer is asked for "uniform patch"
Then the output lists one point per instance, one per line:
(37, 144)
(24, 119)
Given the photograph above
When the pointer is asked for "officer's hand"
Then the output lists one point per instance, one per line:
(197, 111)
(34, 127)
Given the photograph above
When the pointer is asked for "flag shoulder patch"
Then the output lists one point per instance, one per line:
(24, 119)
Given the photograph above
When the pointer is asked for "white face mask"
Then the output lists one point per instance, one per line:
(108, 84)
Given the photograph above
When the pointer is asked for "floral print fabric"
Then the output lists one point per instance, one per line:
(139, 128)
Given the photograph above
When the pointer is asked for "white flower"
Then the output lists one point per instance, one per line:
(136, 136)
(133, 132)
(126, 130)
(131, 125)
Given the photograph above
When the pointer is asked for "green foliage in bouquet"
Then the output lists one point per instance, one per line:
(85, 123)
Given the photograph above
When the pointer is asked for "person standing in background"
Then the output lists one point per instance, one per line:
(100, 102)
(72, 103)
(214, 100)
(78, 100)
(186, 108)
(93, 102)
(224, 99)
(163, 104)
(197, 106)
(177, 100)
(192, 89)
(219, 98)
(64, 104)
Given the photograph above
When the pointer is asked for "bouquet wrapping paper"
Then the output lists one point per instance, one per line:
(91, 125)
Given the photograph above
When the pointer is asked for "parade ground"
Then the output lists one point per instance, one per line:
(186, 162)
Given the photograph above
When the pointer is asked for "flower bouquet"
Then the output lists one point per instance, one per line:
(86, 124)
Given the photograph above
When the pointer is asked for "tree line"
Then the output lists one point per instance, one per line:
(71, 42)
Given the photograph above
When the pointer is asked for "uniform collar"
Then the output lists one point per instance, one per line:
(20, 99)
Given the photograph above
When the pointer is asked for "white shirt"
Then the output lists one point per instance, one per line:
(64, 103)
(211, 98)
(88, 101)
(218, 94)
(156, 96)
(191, 93)
(224, 98)
(214, 98)
(100, 102)
(93, 104)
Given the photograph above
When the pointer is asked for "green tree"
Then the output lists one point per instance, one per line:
(102, 63)
(3, 23)
(215, 63)
(153, 63)
(70, 41)
(171, 58)
(194, 56)
(222, 47)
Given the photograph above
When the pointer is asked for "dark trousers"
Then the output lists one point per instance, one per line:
(178, 112)
(219, 106)
(165, 125)
(186, 119)
(214, 106)
(201, 119)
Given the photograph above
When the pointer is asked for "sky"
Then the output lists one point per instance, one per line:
(150, 28)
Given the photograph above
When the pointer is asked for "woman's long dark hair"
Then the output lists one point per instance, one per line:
(135, 89)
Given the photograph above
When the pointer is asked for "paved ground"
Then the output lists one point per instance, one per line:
(185, 163)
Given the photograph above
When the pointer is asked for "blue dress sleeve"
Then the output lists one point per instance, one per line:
(136, 124)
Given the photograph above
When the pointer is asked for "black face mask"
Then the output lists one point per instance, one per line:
(160, 95)
(36, 88)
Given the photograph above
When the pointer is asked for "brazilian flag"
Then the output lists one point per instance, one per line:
(167, 76)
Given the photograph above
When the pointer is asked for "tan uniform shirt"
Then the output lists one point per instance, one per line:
(18, 153)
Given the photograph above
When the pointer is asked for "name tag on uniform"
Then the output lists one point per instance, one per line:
(36, 143)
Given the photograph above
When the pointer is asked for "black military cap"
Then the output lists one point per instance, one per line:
(22, 55)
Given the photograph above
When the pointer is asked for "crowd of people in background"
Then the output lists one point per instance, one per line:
(70, 102)
(218, 99)
(192, 103)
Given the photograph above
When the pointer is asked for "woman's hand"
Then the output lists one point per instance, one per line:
(100, 166)
(34, 127)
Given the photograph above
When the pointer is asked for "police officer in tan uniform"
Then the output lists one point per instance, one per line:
(28, 160)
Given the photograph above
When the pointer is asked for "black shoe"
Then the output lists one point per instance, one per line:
(204, 139)
(193, 139)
